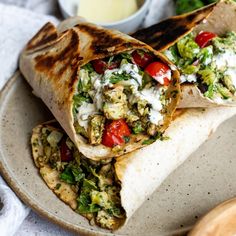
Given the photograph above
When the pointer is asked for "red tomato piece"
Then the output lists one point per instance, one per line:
(166, 81)
(160, 72)
(142, 59)
(99, 66)
(203, 38)
(113, 65)
(66, 153)
(115, 133)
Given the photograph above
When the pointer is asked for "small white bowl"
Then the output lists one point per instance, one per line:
(127, 25)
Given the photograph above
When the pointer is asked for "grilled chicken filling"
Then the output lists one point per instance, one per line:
(125, 93)
(209, 61)
(93, 186)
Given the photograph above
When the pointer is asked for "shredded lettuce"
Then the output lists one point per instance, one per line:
(116, 78)
(72, 174)
(188, 48)
(208, 76)
(158, 136)
(137, 128)
(96, 189)
(88, 67)
(210, 91)
(199, 65)
(78, 101)
(84, 83)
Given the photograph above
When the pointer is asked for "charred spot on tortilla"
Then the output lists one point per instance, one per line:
(162, 35)
(68, 56)
(47, 34)
(190, 92)
(74, 77)
(101, 40)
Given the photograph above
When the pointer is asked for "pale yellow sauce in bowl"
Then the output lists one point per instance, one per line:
(106, 11)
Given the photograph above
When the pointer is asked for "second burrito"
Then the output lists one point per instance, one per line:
(202, 44)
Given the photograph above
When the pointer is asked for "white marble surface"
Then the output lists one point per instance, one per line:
(19, 21)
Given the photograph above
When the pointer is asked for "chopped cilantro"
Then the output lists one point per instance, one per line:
(88, 67)
(116, 78)
(67, 176)
(137, 128)
(126, 138)
(72, 174)
(78, 101)
(158, 136)
(85, 205)
(126, 56)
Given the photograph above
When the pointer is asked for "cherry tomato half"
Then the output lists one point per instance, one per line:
(142, 59)
(203, 38)
(115, 133)
(100, 66)
(160, 72)
(66, 153)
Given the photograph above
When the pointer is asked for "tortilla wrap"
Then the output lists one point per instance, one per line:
(51, 62)
(138, 170)
(218, 18)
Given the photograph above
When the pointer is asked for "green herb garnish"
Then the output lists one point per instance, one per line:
(158, 136)
(116, 78)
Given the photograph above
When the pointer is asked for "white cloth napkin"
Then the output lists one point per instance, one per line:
(17, 26)
(13, 212)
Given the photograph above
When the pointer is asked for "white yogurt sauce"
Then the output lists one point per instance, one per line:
(86, 110)
(128, 68)
(160, 78)
(218, 100)
(209, 58)
(156, 117)
(99, 83)
(152, 96)
(97, 92)
(232, 73)
(169, 55)
(192, 78)
(226, 59)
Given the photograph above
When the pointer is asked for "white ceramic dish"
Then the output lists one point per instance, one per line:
(204, 180)
(128, 25)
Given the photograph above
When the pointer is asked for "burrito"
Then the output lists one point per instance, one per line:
(107, 192)
(111, 93)
(202, 45)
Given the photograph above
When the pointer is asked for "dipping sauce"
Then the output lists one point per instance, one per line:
(106, 11)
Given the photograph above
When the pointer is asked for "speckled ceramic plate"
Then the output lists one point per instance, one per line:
(204, 180)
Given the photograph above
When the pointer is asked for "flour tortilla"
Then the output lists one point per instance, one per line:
(50, 63)
(218, 18)
(148, 167)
